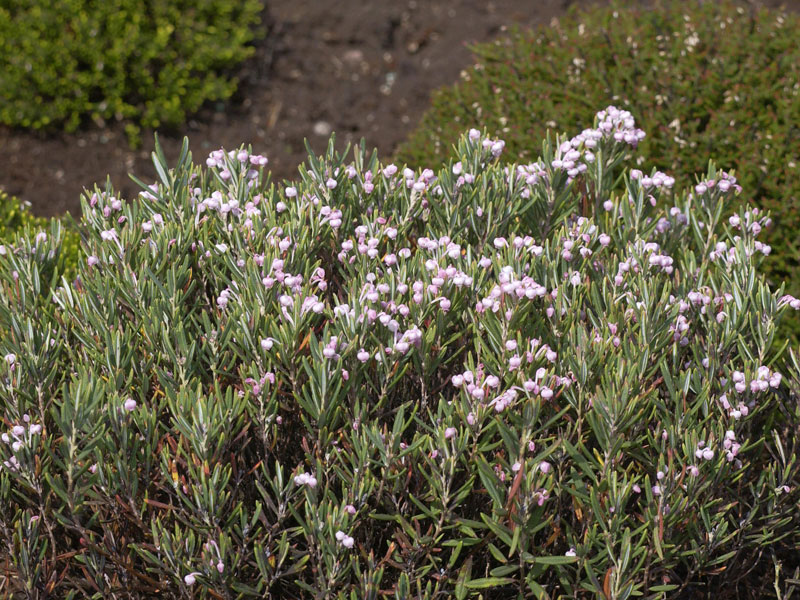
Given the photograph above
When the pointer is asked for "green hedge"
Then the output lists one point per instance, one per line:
(147, 63)
(704, 80)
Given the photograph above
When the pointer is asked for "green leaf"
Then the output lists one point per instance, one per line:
(489, 582)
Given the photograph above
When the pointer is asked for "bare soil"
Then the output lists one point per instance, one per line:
(359, 68)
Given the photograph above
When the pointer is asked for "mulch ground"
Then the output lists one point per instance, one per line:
(359, 69)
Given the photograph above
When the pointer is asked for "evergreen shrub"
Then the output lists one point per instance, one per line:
(64, 62)
(541, 380)
(17, 219)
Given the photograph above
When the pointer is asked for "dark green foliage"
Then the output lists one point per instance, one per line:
(149, 64)
(711, 79)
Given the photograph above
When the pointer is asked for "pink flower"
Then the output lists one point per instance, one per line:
(306, 479)
(130, 404)
(449, 432)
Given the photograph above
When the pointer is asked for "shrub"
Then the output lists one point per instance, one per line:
(706, 80)
(16, 219)
(14, 215)
(491, 380)
(148, 64)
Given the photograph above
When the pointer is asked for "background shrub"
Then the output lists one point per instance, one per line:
(17, 220)
(147, 63)
(492, 379)
(704, 79)
(14, 216)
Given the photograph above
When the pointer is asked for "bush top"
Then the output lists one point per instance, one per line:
(707, 80)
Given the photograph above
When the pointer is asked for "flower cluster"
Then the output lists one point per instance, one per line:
(305, 479)
(18, 437)
(19, 434)
(344, 539)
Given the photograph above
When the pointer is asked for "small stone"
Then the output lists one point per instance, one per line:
(322, 128)
(353, 57)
